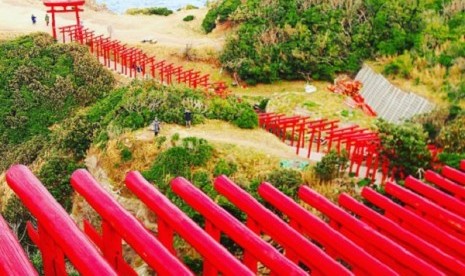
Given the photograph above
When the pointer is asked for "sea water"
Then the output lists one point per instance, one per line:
(120, 6)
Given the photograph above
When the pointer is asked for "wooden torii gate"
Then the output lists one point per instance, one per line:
(64, 6)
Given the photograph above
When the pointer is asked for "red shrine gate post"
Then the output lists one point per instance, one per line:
(64, 6)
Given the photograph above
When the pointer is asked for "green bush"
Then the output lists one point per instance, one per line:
(160, 11)
(179, 161)
(240, 114)
(125, 154)
(55, 174)
(74, 136)
(331, 166)
(286, 180)
(451, 159)
(220, 12)
(150, 11)
(404, 146)
(247, 119)
(224, 167)
(188, 18)
(209, 22)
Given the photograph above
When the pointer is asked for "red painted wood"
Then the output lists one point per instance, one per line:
(440, 198)
(56, 222)
(407, 239)
(454, 175)
(174, 218)
(389, 252)
(243, 236)
(279, 231)
(417, 225)
(443, 218)
(13, 259)
(451, 187)
(127, 226)
(359, 260)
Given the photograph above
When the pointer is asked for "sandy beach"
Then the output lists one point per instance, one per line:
(171, 31)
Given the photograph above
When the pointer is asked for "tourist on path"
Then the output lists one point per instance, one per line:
(33, 18)
(188, 117)
(47, 19)
(156, 127)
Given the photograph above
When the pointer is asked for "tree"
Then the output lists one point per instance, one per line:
(404, 146)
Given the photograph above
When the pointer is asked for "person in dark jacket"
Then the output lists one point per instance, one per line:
(188, 117)
(156, 127)
(33, 18)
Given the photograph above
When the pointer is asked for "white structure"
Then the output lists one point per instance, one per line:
(389, 102)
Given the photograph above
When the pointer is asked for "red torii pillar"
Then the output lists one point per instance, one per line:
(64, 6)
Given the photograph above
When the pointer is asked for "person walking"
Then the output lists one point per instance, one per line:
(156, 127)
(47, 19)
(188, 117)
(110, 30)
(33, 18)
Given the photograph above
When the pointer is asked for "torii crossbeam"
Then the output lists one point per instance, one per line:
(64, 6)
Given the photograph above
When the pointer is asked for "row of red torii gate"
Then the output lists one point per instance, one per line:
(417, 229)
(124, 59)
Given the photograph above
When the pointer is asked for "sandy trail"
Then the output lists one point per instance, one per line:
(172, 31)
(224, 133)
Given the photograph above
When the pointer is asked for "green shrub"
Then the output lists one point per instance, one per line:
(404, 146)
(286, 180)
(160, 140)
(160, 11)
(24, 153)
(179, 161)
(74, 136)
(240, 114)
(224, 167)
(451, 159)
(221, 12)
(150, 11)
(188, 18)
(209, 22)
(247, 119)
(55, 174)
(125, 154)
(331, 166)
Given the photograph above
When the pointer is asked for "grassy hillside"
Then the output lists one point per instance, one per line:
(275, 40)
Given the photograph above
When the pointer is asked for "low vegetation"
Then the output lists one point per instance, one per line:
(188, 18)
(150, 11)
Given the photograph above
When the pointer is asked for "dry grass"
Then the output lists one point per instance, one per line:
(143, 152)
(290, 98)
(424, 81)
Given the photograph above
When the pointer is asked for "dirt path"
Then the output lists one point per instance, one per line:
(224, 133)
(169, 31)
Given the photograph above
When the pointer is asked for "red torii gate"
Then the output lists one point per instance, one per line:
(62, 6)
(420, 237)
(57, 235)
(16, 262)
